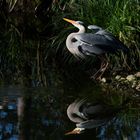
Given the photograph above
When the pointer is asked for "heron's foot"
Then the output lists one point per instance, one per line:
(95, 77)
(99, 78)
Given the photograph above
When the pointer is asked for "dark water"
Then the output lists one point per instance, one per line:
(40, 114)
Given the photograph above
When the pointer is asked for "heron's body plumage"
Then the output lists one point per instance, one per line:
(90, 115)
(97, 43)
(82, 44)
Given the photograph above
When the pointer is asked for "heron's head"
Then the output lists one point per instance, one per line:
(77, 24)
(75, 131)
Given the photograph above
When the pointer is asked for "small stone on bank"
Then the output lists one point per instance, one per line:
(130, 77)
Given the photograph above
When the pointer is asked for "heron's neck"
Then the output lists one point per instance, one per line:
(81, 29)
(71, 45)
(69, 38)
(74, 115)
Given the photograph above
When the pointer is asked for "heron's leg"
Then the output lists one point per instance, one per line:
(103, 67)
(95, 75)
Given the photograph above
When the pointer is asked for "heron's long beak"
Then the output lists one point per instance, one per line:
(69, 20)
(74, 131)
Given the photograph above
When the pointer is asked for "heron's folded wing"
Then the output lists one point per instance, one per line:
(99, 41)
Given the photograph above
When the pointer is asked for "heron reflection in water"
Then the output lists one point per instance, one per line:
(82, 44)
(88, 115)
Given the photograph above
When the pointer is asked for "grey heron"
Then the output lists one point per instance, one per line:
(89, 115)
(82, 44)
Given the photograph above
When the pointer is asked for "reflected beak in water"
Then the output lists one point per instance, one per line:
(75, 131)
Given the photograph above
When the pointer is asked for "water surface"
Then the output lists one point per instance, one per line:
(40, 114)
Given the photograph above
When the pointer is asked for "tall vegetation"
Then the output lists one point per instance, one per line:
(32, 34)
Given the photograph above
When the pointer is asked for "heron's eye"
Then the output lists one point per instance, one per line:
(74, 40)
(80, 22)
